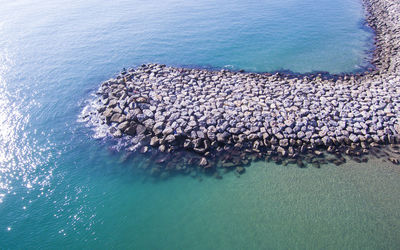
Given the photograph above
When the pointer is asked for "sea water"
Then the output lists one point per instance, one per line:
(62, 188)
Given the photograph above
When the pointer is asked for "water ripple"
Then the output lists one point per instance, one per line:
(21, 154)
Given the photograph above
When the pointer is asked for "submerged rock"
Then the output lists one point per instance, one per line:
(240, 170)
(394, 160)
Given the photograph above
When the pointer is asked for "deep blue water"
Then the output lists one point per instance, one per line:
(61, 188)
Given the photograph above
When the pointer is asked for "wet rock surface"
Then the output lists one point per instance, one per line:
(224, 119)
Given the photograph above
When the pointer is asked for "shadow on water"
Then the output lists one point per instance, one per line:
(154, 165)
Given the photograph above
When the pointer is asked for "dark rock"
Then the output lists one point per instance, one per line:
(131, 130)
(187, 144)
(300, 163)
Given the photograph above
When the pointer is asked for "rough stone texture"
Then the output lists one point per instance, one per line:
(209, 112)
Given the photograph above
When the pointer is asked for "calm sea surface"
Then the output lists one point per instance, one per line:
(61, 188)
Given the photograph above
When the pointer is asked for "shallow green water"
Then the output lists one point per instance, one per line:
(354, 206)
(349, 207)
(61, 188)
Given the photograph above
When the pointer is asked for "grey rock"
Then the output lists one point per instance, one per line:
(140, 129)
(115, 117)
(284, 142)
(281, 151)
(234, 131)
(170, 139)
(108, 113)
(148, 123)
(326, 140)
(301, 134)
(200, 135)
(162, 148)
(222, 137)
(167, 131)
(192, 123)
(148, 113)
(353, 138)
(154, 141)
(203, 162)
(123, 126)
(279, 136)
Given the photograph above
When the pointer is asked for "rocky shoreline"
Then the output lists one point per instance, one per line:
(210, 119)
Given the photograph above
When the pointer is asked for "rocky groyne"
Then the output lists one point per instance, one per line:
(224, 118)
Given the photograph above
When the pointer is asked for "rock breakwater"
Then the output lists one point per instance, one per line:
(222, 117)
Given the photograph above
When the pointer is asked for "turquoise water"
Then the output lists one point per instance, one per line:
(61, 188)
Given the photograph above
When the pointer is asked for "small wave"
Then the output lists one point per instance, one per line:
(91, 117)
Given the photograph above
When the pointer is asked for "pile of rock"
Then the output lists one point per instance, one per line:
(215, 113)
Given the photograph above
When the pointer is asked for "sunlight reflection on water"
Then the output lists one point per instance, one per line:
(20, 153)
